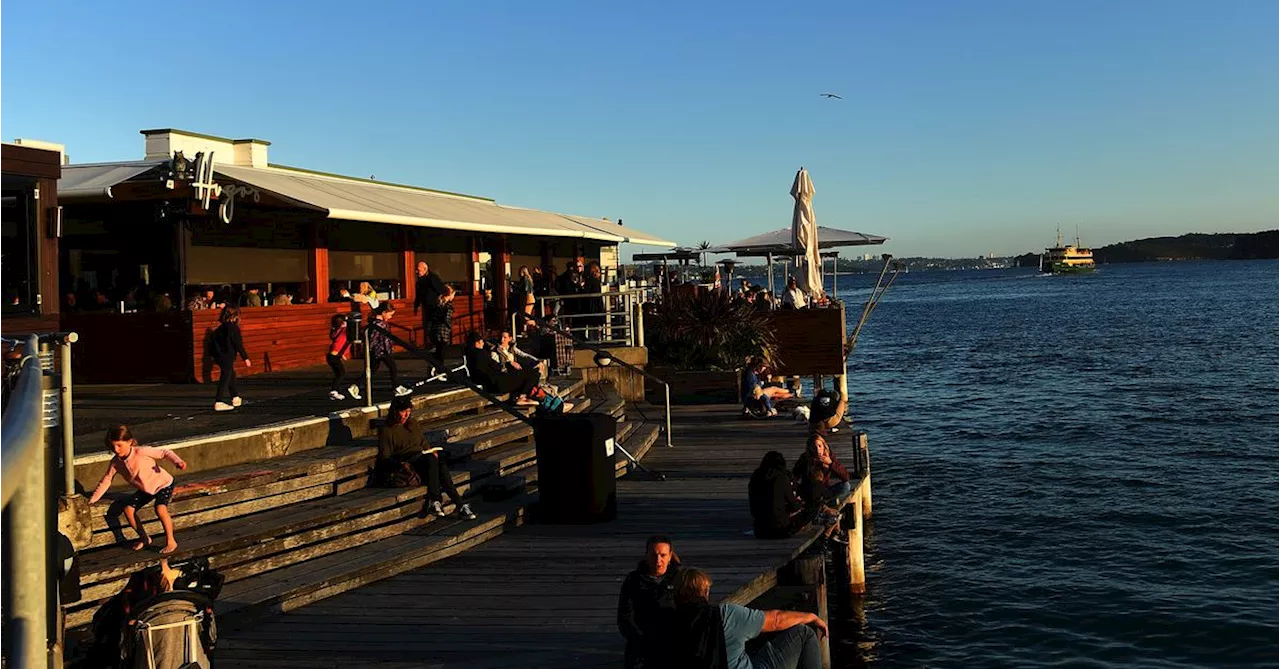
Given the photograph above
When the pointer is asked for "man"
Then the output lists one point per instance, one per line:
(568, 285)
(647, 605)
(794, 298)
(428, 288)
(253, 298)
(710, 636)
(401, 441)
(485, 369)
(754, 390)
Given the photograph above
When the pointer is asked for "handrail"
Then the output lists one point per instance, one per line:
(543, 325)
(23, 423)
(443, 370)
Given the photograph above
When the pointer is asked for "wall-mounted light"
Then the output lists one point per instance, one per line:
(603, 359)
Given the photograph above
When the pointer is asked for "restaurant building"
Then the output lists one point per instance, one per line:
(138, 238)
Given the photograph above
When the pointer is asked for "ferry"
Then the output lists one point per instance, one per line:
(1069, 259)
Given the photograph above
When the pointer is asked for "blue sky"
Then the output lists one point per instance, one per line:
(966, 126)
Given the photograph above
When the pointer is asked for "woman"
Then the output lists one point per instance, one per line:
(524, 293)
(224, 345)
(821, 481)
(440, 322)
(367, 295)
(776, 512)
(382, 348)
(593, 284)
(485, 369)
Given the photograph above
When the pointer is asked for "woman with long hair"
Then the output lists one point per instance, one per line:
(224, 345)
(524, 293)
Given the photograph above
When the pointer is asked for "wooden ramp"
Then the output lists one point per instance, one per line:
(546, 596)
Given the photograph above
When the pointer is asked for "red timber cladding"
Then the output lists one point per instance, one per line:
(279, 338)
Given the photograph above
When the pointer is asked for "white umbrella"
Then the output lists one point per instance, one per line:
(804, 236)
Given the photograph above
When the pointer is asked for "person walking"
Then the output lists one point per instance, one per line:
(381, 347)
(137, 464)
(224, 345)
(339, 344)
(428, 289)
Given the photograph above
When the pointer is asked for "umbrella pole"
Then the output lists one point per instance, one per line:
(835, 275)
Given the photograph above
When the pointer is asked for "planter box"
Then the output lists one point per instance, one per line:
(694, 386)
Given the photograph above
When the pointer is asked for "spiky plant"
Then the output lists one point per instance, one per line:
(709, 330)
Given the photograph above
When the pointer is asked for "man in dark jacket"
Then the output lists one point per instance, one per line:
(400, 440)
(647, 603)
(428, 288)
(775, 509)
(486, 370)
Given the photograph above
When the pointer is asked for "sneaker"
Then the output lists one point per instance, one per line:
(567, 407)
(401, 391)
(354, 391)
(436, 509)
(222, 406)
(335, 395)
(465, 512)
(837, 538)
(773, 412)
(236, 401)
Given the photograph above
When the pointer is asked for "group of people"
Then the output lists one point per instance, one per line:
(783, 501)
(665, 614)
(764, 300)
(586, 280)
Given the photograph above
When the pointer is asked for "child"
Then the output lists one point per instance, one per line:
(338, 345)
(381, 348)
(137, 464)
(225, 344)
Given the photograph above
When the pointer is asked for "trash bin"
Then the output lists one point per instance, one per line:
(577, 480)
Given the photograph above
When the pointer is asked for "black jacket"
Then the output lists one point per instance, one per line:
(698, 641)
(645, 610)
(484, 369)
(427, 291)
(226, 342)
(772, 500)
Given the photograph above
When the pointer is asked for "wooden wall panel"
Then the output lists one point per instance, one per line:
(811, 341)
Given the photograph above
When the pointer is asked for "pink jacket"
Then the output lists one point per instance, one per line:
(140, 470)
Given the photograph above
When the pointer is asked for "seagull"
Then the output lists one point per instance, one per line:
(831, 95)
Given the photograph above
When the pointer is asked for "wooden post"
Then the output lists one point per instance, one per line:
(855, 568)
(864, 455)
(806, 576)
(318, 269)
(409, 283)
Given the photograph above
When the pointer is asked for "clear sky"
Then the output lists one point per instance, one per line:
(967, 126)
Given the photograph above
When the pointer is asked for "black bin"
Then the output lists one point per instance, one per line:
(577, 482)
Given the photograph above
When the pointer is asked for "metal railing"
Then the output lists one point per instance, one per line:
(620, 322)
(26, 574)
(608, 359)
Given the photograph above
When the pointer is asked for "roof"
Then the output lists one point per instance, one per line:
(95, 180)
(355, 199)
(779, 241)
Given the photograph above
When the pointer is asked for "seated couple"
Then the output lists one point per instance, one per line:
(665, 614)
(499, 370)
(757, 396)
(782, 503)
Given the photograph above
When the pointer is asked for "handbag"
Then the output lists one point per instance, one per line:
(400, 475)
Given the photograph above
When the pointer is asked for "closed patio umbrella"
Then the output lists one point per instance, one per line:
(804, 236)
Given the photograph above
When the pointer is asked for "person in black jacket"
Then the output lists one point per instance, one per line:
(487, 371)
(776, 512)
(400, 440)
(647, 604)
(427, 291)
(224, 345)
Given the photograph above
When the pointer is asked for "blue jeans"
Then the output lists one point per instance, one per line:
(794, 648)
(838, 490)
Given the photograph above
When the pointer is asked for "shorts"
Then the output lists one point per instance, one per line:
(163, 496)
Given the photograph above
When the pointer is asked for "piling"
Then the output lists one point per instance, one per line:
(864, 460)
(854, 568)
(802, 586)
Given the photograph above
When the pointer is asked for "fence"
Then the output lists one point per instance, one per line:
(609, 318)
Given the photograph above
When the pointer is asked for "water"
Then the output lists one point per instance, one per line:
(1074, 471)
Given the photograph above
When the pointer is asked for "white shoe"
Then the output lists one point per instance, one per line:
(401, 391)
(236, 401)
(222, 406)
(437, 510)
(465, 512)
(354, 391)
(335, 395)
(567, 407)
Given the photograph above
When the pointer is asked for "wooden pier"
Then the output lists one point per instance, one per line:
(546, 596)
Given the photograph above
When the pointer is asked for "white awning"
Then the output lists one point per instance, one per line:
(95, 181)
(359, 200)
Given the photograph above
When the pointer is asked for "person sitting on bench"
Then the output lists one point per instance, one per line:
(400, 440)
(757, 396)
(486, 370)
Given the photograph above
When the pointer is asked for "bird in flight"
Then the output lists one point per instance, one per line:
(831, 95)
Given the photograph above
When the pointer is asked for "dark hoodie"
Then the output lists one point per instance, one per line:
(699, 639)
(773, 499)
(645, 610)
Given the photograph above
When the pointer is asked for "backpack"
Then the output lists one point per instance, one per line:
(396, 474)
(551, 405)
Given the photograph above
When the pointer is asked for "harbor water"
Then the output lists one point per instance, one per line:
(1069, 471)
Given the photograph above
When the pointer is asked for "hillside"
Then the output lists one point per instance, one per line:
(1195, 246)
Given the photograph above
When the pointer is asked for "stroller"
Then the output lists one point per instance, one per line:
(150, 626)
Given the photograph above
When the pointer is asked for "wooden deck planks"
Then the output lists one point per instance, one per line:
(545, 595)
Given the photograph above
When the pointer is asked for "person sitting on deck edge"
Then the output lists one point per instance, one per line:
(821, 481)
(401, 442)
(776, 511)
(647, 604)
(715, 637)
(486, 370)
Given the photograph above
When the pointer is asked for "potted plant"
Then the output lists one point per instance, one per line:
(699, 341)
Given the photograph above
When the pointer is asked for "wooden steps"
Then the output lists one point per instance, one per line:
(292, 529)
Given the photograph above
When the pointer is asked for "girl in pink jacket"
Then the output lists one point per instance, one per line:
(137, 464)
